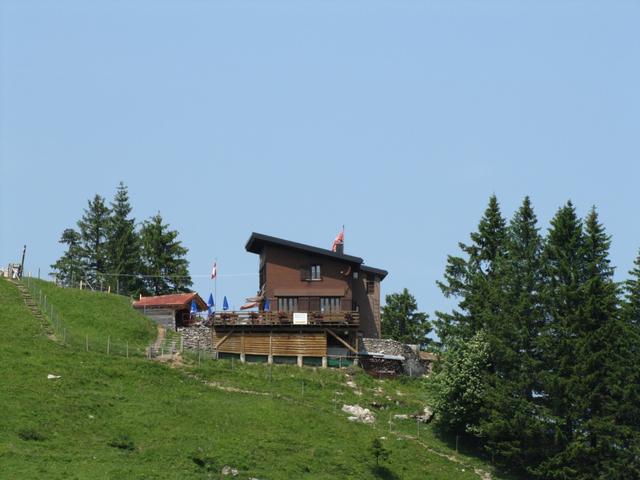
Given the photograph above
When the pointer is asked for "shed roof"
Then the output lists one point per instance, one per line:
(175, 301)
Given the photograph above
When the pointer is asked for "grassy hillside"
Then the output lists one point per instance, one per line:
(96, 316)
(114, 417)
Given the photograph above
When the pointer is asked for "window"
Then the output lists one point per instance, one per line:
(371, 284)
(330, 304)
(288, 304)
(315, 272)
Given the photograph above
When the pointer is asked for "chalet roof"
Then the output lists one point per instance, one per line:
(175, 301)
(257, 241)
(375, 271)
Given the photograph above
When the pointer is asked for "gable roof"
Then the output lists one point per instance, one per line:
(257, 241)
(176, 300)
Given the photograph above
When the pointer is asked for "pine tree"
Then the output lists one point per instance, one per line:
(564, 270)
(628, 415)
(509, 421)
(123, 246)
(402, 322)
(472, 278)
(70, 267)
(632, 295)
(93, 235)
(164, 265)
(601, 443)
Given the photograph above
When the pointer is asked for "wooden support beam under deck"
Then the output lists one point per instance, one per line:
(223, 339)
(342, 341)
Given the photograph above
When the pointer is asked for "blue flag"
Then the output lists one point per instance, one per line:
(211, 304)
(267, 307)
(194, 307)
(225, 304)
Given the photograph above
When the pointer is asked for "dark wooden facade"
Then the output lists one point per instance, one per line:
(312, 302)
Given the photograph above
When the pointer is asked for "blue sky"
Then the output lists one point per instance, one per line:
(396, 118)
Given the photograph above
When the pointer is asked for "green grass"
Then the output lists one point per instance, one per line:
(82, 316)
(110, 417)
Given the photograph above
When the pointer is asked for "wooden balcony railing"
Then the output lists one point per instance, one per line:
(285, 318)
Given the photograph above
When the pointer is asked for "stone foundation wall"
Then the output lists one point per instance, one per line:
(411, 365)
(196, 336)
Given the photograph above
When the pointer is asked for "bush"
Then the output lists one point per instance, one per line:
(29, 434)
(123, 442)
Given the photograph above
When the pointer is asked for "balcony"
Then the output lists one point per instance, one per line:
(317, 319)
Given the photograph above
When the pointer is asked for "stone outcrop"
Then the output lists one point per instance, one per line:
(359, 414)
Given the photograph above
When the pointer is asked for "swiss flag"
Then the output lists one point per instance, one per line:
(338, 240)
(214, 271)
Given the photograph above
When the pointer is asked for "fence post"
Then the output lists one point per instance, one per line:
(86, 342)
(108, 344)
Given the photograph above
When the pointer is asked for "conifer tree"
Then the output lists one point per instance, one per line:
(632, 295)
(163, 258)
(93, 235)
(471, 278)
(476, 281)
(564, 270)
(70, 267)
(510, 414)
(604, 365)
(402, 322)
(123, 246)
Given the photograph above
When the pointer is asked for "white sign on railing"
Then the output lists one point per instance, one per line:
(300, 318)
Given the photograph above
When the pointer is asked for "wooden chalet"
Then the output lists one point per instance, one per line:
(313, 306)
(171, 311)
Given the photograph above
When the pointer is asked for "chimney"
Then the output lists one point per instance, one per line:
(340, 248)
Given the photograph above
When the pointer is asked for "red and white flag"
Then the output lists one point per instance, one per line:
(214, 271)
(338, 240)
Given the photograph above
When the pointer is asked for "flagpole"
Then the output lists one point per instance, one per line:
(215, 283)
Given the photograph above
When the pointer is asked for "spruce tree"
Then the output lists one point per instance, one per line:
(472, 278)
(163, 257)
(93, 228)
(123, 246)
(402, 321)
(629, 416)
(563, 296)
(632, 295)
(600, 447)
(475, 280)
(70, 267)
(510, 422)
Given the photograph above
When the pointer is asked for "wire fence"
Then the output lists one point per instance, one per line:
(170, 344)
(67, 335)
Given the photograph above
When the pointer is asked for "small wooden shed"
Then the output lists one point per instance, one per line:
(170, 311)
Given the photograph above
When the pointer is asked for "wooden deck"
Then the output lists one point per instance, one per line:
(283, 319)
